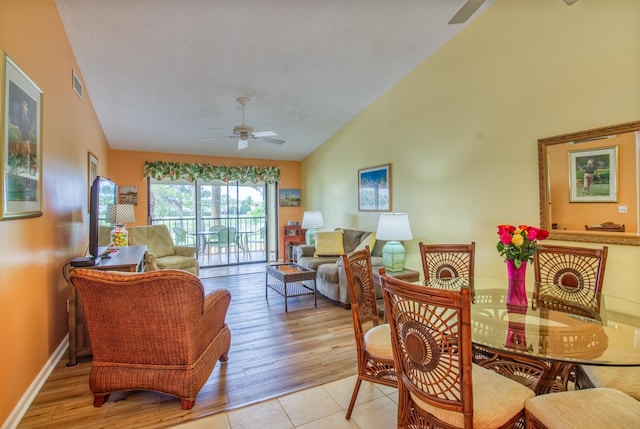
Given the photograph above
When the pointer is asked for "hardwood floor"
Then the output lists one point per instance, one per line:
(272, 353)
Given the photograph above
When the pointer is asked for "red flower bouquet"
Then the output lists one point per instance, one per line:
(519, 244)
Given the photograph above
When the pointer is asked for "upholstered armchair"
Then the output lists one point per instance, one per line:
(161, 251)
(152, 331)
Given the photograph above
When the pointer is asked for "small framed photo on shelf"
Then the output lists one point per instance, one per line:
(374, 189)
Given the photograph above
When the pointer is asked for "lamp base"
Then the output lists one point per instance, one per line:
(393, 256)
(310, 237)
(119, 236)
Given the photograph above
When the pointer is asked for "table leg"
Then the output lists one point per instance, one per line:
(548, 378)
(286, 308)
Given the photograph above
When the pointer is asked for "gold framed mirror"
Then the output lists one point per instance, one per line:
(589, 187)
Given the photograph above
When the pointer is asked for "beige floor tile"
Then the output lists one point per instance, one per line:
(217, 421)
(265, 415)
(336, 421)
(309, 405)
(387, 390)
(377, 414)
(341, 390)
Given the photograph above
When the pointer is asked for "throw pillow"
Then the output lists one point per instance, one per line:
(370, 240)
(329, 244)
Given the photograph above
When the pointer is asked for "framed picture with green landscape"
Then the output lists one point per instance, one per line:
(21, 170)
(374, 189)
(593, 175)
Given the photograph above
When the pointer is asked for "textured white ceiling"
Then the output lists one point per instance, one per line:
(162, 73)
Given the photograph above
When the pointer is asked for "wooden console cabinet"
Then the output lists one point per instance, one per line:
(293, 236)
(129, 259)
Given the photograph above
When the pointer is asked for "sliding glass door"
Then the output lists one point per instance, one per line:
(227, 222)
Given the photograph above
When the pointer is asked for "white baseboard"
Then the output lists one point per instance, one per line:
(31, 393)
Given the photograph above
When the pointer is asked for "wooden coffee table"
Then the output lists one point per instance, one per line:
(290, 281)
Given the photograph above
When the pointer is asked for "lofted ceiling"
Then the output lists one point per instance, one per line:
(162, 73)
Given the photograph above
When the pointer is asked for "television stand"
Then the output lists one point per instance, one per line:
(129, 259)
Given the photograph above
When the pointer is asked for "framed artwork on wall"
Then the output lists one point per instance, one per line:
(289, 198)
(128, 195)
(374, 189)
(93, 170)
(593, 175)
(21, 170)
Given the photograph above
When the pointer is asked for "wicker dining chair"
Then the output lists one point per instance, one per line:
(438, 385)
(152, 331)
(623, 378)
(373, 340)
(569, 275)
(590, 408)
(441, 261)
(569, 279)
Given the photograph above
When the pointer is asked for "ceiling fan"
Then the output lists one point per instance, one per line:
(245, 132)
(470, 7)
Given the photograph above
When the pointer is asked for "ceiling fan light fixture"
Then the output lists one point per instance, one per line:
(243, 144)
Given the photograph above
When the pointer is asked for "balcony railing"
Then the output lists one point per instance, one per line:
(251, 244)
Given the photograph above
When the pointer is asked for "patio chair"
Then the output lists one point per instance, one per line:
(255, 239)
(227, 240)
(182, 237)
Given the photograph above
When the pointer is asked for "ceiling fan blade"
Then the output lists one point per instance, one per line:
(269, 140)
(217, 138)
(243, 144)
(466, 11)
(222, 131)
(264, 134)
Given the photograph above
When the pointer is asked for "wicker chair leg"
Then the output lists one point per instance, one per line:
(99, 399)
(354, 396)
(187, 404)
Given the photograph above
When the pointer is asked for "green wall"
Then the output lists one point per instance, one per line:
(461, 129)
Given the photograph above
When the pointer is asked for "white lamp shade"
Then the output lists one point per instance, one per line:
(393, 227)
(312, 220)
(120, 214)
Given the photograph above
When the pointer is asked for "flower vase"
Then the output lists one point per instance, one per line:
(516, 289)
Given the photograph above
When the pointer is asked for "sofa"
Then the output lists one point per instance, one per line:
(325, 258)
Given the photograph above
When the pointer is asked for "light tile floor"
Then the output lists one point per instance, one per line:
(321, 407)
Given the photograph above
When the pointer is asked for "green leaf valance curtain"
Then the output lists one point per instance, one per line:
(191, 171)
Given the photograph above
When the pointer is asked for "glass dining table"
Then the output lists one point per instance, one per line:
(539, 343)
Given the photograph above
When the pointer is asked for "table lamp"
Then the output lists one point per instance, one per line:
(119, 215)
(311, 221)
(393, 228)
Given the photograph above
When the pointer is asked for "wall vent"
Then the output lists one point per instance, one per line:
(77, 85)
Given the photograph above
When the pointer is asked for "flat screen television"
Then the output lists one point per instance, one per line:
(103, 192)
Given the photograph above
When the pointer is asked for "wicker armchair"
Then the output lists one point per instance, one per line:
(439, 387)
(152, 331)
(373, 340)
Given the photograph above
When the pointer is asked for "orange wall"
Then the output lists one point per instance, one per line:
(33, 293)
(574, 216)
(127, 167)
